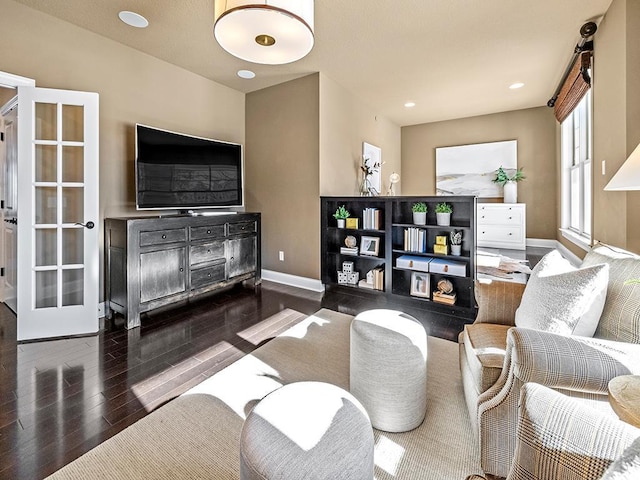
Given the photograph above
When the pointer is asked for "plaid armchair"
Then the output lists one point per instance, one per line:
(497, 359)
(559, 438)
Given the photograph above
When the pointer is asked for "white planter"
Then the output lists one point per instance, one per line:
(456, 249)
(510, 190)
(340, 222)
(443, 219)
(420, 218)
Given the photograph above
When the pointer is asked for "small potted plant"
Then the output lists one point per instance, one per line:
(456, 242)
(509, 183)
(443, 214)
(341, 215)
(419, 213)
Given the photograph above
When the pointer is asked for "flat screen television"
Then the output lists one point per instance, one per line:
(178, 171)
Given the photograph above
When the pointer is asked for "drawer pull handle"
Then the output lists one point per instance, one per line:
(208, 232)
(510, 218)
(510, 233)
(164, 236)
(482, 216)
(208, 251)
(181, 270)
(209, 275)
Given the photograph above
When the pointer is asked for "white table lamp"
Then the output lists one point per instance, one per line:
(628, 177)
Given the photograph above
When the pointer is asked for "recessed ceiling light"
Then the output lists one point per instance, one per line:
(515, 86)
(133, 19)
(410, 104)
(246, 74)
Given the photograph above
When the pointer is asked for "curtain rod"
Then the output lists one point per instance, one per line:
(587, 30)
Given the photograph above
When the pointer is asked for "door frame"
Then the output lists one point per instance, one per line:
(9, 80)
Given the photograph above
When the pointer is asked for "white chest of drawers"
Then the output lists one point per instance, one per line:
(502, 225)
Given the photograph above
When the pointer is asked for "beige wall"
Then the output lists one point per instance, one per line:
(133, 87)
(533, 128)
(345, 123)
(616, 110)
(282, 180)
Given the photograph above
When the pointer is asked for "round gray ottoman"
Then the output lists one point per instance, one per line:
(389, 368)
(310, 430)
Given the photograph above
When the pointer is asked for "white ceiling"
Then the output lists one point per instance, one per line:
(454, 58)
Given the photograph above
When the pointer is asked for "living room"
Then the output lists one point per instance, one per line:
(303, 137)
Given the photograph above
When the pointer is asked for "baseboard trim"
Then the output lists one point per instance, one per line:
(542, 242)
(293, 280)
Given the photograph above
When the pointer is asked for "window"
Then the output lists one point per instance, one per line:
(576, 172)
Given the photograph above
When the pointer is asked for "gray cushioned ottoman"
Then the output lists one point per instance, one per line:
(389, 368)
(310, 430)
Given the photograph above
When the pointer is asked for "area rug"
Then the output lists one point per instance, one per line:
(197, 435)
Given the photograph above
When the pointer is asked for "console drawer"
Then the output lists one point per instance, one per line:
(205, 276)
(207, 252)
(158, 237)
(209, 231)
(242, 227)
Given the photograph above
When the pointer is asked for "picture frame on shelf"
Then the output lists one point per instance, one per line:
(420, 285)
(369, 246)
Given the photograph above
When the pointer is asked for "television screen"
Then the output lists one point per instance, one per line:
(180, 171)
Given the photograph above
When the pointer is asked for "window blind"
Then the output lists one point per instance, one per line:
(574, 87)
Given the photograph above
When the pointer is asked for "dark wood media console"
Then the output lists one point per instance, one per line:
(155, 261)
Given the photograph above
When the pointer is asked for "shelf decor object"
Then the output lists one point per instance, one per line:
(265, 32)
(402, 270)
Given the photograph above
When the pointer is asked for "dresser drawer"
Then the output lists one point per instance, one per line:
(207, 252)
(210, 231)
(205, 276)
(159, 237)
(500, 234)
(242, 227)
(500, 215)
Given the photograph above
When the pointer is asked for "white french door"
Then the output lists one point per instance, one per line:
(57, 218)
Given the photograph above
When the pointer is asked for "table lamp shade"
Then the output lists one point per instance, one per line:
(628, 177)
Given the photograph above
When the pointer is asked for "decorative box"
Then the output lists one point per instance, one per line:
(443, 249)
(347, 267)
(441, 239)
(447, 267)
(353, 278)
(342, 277)
(413, 262)
(351, 222)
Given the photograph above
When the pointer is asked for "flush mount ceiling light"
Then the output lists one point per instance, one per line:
(133, 19)
(271, 32)
(410, 104)
(515, 86)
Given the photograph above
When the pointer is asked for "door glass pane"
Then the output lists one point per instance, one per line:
(46, 121)
(72, 205)
(587, 198)
(575, 199)
(46, 206)
(46, 289)
(72, 164)
(72, 246)
(46, 247)
(46, 163)
(72, 287)
(72, 123)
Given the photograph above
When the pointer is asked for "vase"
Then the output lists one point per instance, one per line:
(510, 192)
(456, 250)
(420, 218)
(443, 219)
(340, 222)
(365, 187)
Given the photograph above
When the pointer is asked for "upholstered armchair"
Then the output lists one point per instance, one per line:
(497, 358)
(560, 438)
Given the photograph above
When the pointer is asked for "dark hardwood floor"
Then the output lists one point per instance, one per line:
(60, 398)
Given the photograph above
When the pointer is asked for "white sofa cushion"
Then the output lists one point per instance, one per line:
(562, 299)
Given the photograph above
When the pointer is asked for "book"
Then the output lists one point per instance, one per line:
(349, 251)
(449, 299)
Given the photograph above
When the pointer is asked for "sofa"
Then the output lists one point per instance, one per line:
(497, 357)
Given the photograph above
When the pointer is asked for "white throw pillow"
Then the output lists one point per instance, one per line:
(560, 298)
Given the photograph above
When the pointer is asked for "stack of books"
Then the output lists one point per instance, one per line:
(371, 219)
(415, 240)
(448, 298)
(349, 250)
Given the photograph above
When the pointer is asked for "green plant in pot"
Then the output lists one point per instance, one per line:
(508, 179)
(443, 214)
(341, 215)
(419, 210)
(455, 237)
